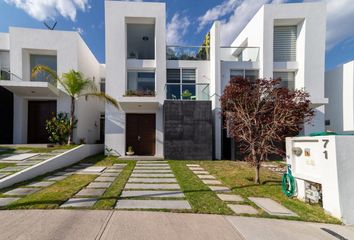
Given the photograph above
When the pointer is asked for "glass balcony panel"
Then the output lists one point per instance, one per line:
(187, 53)
(196, 91)
(239, 54)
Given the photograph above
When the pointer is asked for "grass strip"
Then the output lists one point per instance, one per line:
(201, 198)
(110, 197)
(54, 195)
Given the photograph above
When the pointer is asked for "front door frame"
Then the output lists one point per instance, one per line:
(31, 124)
(141, 127)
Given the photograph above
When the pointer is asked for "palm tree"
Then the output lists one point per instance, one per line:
(76, 86)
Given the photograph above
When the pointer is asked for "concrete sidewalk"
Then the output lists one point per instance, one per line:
(87, 224)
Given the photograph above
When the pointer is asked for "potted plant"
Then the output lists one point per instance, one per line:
(130, 151)
(186, 94)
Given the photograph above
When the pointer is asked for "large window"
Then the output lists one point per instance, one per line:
(249, 74)
(287, 79)
(284, 46)
(47, 60)
(181, 83)
(141, 83)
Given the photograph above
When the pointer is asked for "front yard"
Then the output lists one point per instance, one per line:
(235, 175)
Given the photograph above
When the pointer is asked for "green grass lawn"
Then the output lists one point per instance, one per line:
(4, 165)
(239, 177)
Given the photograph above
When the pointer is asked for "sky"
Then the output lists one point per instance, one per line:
(187, 21)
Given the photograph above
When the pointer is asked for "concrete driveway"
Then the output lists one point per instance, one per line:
(82, 224)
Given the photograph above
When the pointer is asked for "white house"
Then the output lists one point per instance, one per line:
(169, 95)
(281, 40)
(30, 101)
(340, 92)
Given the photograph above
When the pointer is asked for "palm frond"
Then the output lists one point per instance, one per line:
(102, 96)
(75, 83)
(42, 68)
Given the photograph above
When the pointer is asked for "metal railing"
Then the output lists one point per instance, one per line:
(9, 76)
(239, 54)
(187, 91)
(188, 53)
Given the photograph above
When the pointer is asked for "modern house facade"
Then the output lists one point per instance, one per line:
(169, 95)
(340, 91)
(281, 40)
(34, 100)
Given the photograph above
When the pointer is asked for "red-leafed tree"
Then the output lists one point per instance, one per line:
(258, 114)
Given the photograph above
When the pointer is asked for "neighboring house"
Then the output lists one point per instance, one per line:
(169, 95)
(340, 92)
(31, 101)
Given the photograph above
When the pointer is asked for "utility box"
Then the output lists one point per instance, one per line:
(323, 167)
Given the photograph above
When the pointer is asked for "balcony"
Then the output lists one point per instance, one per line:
(187, 91)
(239, 54)
(18, 86)
(190, 53)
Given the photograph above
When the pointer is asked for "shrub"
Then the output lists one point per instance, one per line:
(58, 128)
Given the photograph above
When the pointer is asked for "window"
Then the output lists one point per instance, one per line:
(287, 79)
(181, 83)
(327, 122)
(249, 74)
(103, 85)
(284, 45)
(47, 60)
(141, 83)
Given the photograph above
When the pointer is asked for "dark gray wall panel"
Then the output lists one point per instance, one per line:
(188, 130)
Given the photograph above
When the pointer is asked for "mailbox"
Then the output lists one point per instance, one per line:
(323, 167)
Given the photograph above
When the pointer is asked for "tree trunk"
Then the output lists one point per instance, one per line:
(257, 179)
(72, 119)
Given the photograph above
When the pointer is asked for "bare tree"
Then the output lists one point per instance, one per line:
(260, 113)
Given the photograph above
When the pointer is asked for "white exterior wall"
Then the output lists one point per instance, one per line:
(72, 53)
(116, 14)
(340, 92)
(88, 111)
(215, 87)
(310, 50)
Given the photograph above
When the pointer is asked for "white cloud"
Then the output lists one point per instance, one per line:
(340, 19)
(241, 13)
(218, 11)
(49, 9)
(176, 29)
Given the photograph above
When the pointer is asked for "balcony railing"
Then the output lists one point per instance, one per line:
(188, 53)
(239, 54)
(187, 91)
(8, 76)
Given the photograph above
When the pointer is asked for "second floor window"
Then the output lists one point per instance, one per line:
(284, 45)
(47, 60)
(181, 84)
(103, 85)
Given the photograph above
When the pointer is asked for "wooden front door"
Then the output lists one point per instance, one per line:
(38, 113)
(140, 133)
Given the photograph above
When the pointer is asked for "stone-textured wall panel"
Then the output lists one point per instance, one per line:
(188, 130)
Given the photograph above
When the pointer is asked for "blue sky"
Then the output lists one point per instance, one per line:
(187, 21)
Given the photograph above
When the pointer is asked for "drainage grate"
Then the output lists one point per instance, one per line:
(334, 234)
